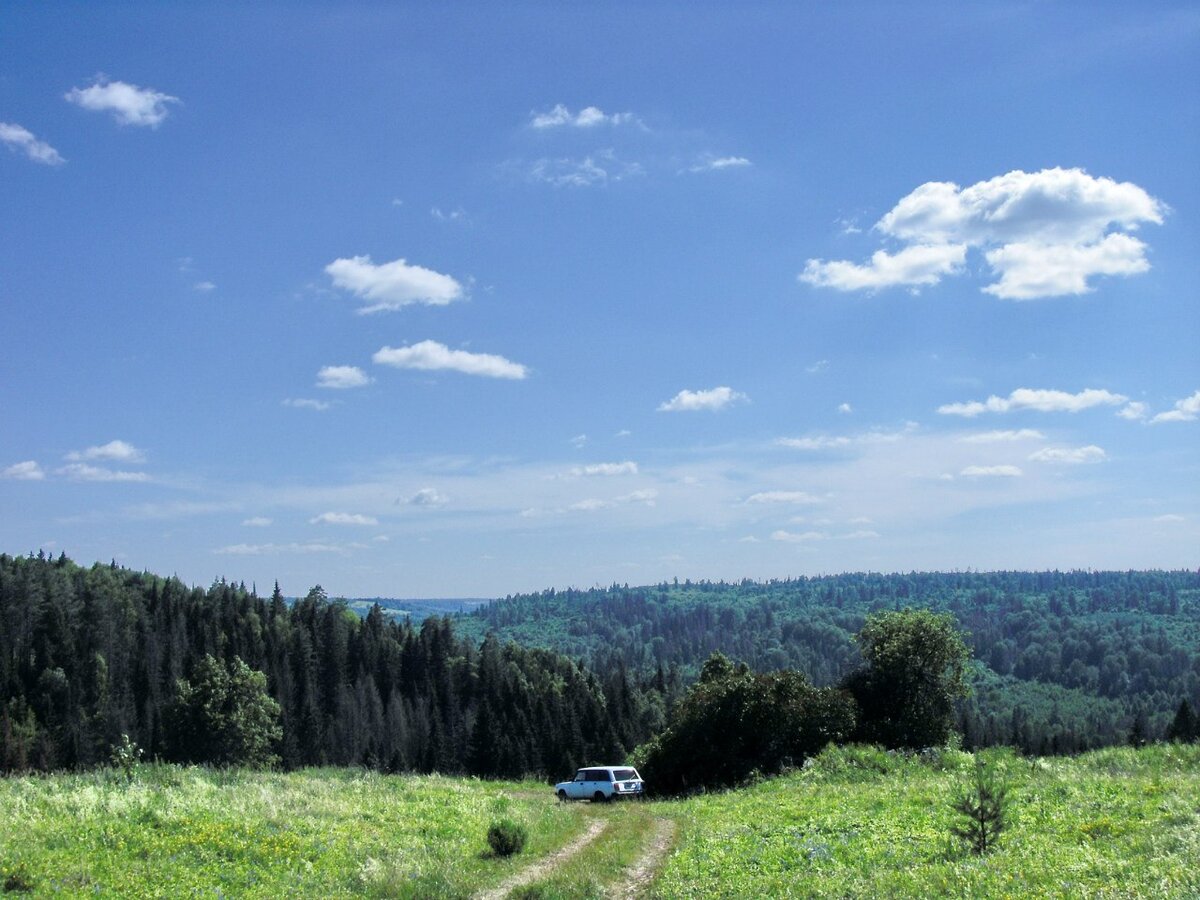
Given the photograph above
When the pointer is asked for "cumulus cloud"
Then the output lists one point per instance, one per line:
(714, 399)
(1186, 410)
(430, 356)
(718, 163)
(916, 266)
(1035, 399)
(128, 103)
(256, 522)
(845, 408)
(85, 472)
(1002, 436)
(392, 285)
(621, 468)
(427, 497)
(588, 117)
(836, 442)
(342, 518)
(341, 377)
(1134, 411)
(19, 139)
(991, 472)
(1070, 455)
(29, 470)
(1044, 234)
(306, 403)
(116, 451)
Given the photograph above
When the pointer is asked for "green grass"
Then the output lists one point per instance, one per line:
(856, 822)
(862, 823)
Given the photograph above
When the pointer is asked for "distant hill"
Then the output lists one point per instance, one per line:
(1064, 660)
(415, 609)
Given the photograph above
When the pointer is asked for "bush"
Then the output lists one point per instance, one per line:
(507, 837)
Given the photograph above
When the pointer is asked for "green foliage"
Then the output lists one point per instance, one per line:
(507, 837)
(734, 724)
(225, 716)
(16, 878)
(1185, 727)
(982, 804)
(916, 670)
(125, 756)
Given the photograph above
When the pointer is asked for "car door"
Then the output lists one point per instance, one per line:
(577, 789)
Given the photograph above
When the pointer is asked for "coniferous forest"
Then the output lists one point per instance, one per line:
(90, 654)
(540, 684)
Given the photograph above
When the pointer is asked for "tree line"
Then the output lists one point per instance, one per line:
(223, 675)
(1063, 661)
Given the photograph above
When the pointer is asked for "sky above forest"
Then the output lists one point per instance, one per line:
(459, 300)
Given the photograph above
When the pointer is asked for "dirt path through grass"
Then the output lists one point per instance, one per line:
(545, 867)
(635, 882)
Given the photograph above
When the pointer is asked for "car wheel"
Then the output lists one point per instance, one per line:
(562, 796)
(599, 797)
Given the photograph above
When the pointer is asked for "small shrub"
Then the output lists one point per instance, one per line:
(125, 757)
(16, 879)
(982, 805)
(507, 837)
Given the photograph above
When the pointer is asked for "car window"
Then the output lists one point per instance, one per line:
(625, 775)
(581, 775)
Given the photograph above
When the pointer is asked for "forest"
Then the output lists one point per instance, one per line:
(90, 654)
(1063, 661)
(539, 684)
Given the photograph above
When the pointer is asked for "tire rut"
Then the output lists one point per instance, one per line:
(544, 867)
(639, 877)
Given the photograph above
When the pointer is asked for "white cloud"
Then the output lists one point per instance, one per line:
(1170, 518)
(454, 215)
(342, 377)
(84, 472)
(845, 408)
(129, 104)
(1186, 410)
(714, 399)
(592, 504)
(1070, 455)
(600, 167)
(341, 518)
(588, 117)
(1134, 411)
(916, 266)
(305, 403)
(621, 468)
(1002, 437)
(430, 356)
(257, 522)
(835, 442)
(116, 451)
(21, 139)
(204, 287)
(1035, 399)
(783, 497)
(392, 285)
(1043, 233)
(579, 441)
(791, 537)
(29, 470)
(427, 497)
(819, 366)
(274, 549)
(717, 163)
(991, 472)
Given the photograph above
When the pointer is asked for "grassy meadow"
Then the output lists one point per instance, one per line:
(854, 822)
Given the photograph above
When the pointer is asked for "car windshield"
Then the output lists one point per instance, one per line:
(625, 775)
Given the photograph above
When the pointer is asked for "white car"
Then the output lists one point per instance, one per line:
(601, 783)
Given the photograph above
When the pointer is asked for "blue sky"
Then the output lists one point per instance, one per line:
(426, 302)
